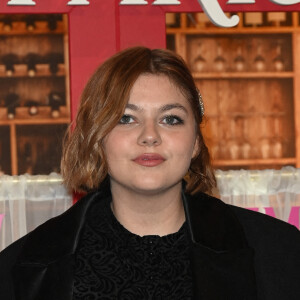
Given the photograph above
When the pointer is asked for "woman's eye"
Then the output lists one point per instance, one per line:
(126, 119)
(172, 120)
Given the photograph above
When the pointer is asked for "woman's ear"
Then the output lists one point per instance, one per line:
(196, 148)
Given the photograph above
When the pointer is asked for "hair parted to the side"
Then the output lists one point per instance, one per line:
(103, 101)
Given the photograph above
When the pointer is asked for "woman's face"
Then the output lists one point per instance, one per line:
(151, 148)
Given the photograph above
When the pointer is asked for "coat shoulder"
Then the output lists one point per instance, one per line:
(276, 246)
(261, 227)
(8, 258)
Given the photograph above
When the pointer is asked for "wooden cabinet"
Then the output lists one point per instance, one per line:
(249, 77)
(34, 92)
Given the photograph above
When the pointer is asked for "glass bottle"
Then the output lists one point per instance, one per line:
(220, 61)
(278, 61)
(239, 61)
(259, 61)
(199, 63)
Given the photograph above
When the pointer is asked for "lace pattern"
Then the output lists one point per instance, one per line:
(113, 263)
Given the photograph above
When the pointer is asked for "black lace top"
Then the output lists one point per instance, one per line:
(113, 263)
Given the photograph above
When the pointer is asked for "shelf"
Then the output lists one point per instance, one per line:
(42, 70)
(248, 162)
(42, 117)
(36, 121)
(19, 28)
(249, 78)
(244, 75)
(32, 142)
(237, 30)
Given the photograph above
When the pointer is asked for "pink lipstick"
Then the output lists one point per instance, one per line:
(149, 159)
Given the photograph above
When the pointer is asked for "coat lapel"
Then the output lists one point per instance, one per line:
(44, 270)
(221, 260)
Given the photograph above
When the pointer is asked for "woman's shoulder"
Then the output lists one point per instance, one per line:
(257, 222)
(267, 234)
(262, 223)
(54, 233)
(260, 230)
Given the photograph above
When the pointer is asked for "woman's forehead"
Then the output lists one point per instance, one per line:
(155, 87)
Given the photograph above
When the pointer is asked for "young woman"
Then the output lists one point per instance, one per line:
(148, 228)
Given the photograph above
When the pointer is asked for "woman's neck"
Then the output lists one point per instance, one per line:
(158, 214)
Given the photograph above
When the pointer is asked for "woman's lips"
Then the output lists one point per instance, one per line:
(149, 160)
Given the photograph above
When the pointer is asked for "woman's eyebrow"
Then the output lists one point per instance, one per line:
(172, 106)
(161, 109)
(133, 107)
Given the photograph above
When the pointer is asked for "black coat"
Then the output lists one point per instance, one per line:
(236, 254)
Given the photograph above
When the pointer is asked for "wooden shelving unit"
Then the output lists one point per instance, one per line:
(31, 138)
(249, 77)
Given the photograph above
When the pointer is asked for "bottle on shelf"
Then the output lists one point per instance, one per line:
(199, 63)
(239, 60)
(214, 125)
(28, 164)
(31, 60)
(7, 24)
(11, 102)
(53, 153)
(278, 61)
(235, 138)
(33, 107)
(246, 148)
(265, 147)
(9, 60)
(55, 100)
(54, 59)
(52, 21)
(30, 23)
(278, 138)
(220, 61)
(41, 165)
(259, 61)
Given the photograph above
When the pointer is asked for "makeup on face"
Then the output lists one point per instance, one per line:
(149, 159)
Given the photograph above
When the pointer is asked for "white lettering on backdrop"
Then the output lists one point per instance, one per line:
(211, 7)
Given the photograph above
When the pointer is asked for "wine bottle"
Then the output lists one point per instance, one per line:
(53, 59)
(55, 101)
(278, 61)
(199, 63)
(41, 165)
(30, 23)
(11, 102)
(33, 107)
(31, 60)
(9, 60)
(7, 24)
(28, 158)
(52, 21)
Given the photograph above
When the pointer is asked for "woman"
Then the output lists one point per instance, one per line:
(147, 228)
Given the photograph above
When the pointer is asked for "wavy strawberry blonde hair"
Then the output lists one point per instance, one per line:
(103, 101)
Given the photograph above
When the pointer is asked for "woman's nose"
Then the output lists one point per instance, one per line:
(149, 135)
